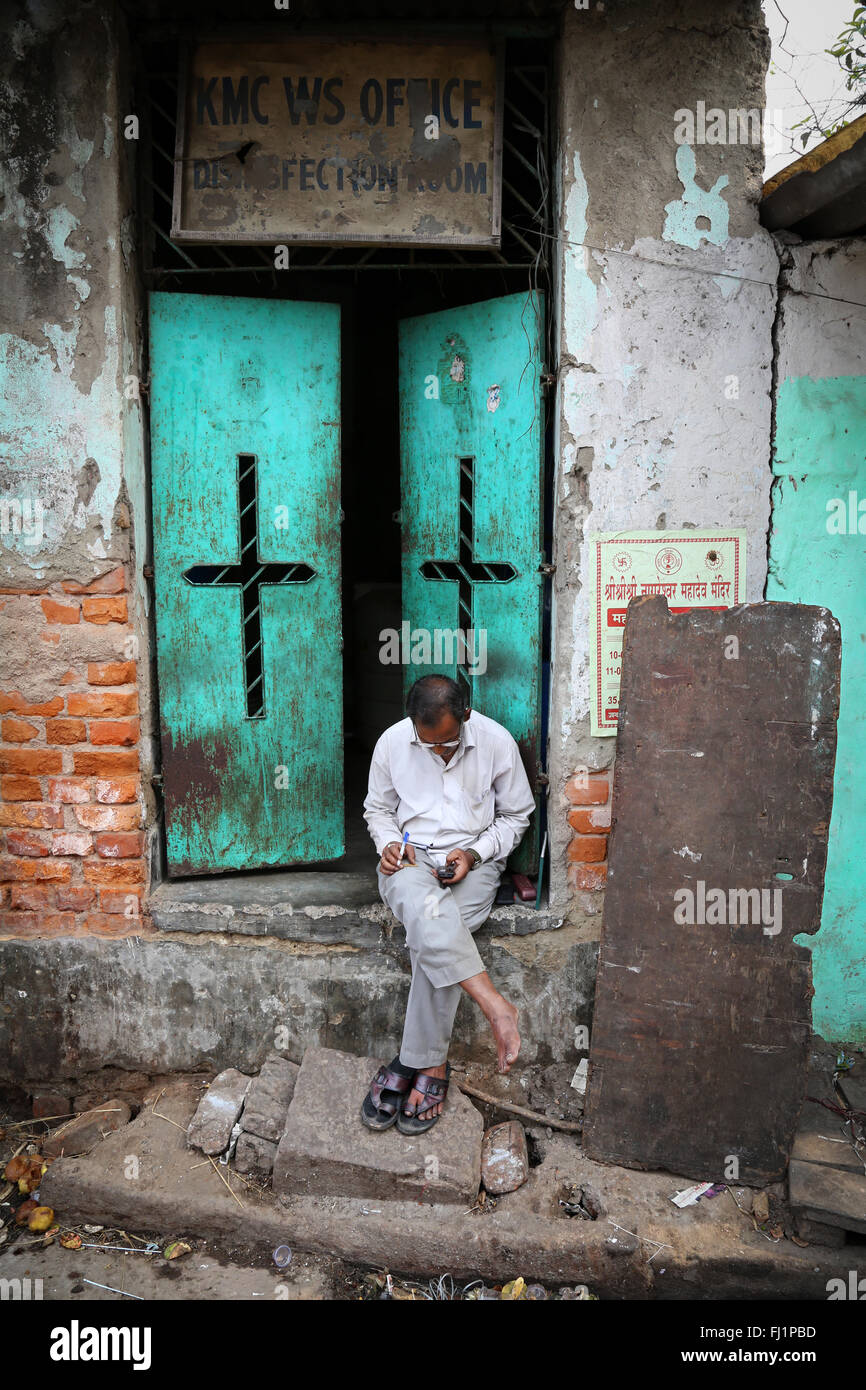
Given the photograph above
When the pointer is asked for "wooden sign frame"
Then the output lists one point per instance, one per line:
(183, 232)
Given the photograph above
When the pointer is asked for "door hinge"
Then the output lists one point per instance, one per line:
(549, 379)
(541, 781)
(147, 571)
(547, 569)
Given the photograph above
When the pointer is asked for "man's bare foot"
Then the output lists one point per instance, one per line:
(504, 1024)
(417, 1098)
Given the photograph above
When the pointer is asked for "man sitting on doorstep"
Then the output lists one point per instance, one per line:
(448, 801)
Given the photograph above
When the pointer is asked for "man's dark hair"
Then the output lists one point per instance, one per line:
(431, 696)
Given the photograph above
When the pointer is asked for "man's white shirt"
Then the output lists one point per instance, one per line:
(479, 800)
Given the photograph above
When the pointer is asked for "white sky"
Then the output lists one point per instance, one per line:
(801, 73)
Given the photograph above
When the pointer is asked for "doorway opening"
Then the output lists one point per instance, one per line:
(376, 288)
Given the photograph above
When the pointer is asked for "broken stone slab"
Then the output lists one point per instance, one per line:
(212, 1123)
(255, 1155)
(82, 1134)
(269, 1097)
(504, 1158)
(327, 1151)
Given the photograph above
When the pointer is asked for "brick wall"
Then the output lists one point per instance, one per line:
(589, 818)
(71, 805)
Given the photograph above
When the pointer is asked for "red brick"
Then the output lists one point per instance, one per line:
(120, 846)
(588, 849)
(126, 903)
(32, 897)
(108, 817)
(588, 877)
(75, 897)
(33, 817)
(13, 702)
(112, 875)
(21, 842)
(111, 673)
(103, 702)
(16, 870)
(118, 764)
(104, 610)
(14, 788)
(112, 791)
(70, 678)
(59, 612)
(116, 732)
(593, 822)
(112, 924)
(114, 582)
(65, 731)
(68, 789)
(18, 731)
(31, 760)
(38, 924)
(48, 1105)
(72, 842)
(594, 793)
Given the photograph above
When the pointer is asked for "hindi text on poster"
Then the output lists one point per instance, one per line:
(692, 569)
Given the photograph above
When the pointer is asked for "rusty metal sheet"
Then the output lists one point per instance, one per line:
(723, 788)
(317, 139)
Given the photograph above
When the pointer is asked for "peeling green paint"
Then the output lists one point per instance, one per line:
(820, 455)
(682, 214)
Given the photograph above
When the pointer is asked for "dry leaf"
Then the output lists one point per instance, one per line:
(176, 1248)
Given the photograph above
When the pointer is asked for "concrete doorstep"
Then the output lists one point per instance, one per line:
(390, 1202)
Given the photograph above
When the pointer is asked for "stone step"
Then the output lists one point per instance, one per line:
(327, 1151)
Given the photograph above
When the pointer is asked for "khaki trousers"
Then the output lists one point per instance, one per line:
(439, 923)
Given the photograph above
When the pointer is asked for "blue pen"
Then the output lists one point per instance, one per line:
(403, 847)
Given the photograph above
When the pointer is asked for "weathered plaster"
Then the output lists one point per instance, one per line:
(65, 334)
(665, 315)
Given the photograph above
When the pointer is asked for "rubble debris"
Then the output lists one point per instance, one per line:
(211, 1126)
(580, 1202)
(82, 1134)
(569, 1126)
(269, 1097)
(52, 1105)
(689, 1196)
(578, 1081)
(255, 1155)
(504, 1158)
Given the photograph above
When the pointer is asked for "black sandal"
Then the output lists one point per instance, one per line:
(381, 1104)
(435, 1088)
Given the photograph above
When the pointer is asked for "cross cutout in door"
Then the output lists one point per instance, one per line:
(467, 570)
(250, 575)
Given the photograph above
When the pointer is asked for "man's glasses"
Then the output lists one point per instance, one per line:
(447, 743)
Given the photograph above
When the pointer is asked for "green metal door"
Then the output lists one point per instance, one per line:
(245, 468)
(471, 425)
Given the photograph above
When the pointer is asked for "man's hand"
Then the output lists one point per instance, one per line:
(390, 861)
(462, 864)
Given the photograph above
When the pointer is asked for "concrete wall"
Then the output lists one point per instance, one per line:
(818, 555)
(666, 303)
